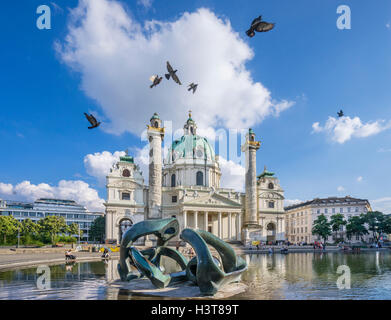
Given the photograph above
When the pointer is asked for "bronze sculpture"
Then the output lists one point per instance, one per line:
(203, 270)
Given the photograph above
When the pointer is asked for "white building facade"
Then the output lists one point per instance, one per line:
(300, 217)
(186, 184)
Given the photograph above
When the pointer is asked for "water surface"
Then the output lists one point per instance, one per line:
(276, 276)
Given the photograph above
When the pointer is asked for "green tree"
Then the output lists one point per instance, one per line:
(8, 227)
(321, 227)
(97, 230)
(355, 227)
(29, 229)
(336, 222)
(53, 225)
(378, 224)
(73, 229)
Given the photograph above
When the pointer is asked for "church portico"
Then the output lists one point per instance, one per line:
(225, 225)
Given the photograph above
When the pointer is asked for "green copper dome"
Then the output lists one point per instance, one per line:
(191, 147)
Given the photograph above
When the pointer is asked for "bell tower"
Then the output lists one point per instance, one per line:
(250, 148)
(155, 134)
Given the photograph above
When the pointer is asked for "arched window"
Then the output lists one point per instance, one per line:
(271, 186)
(173, 180)
(200, 178)
(271, 204)
(126, 173)
(156, 124)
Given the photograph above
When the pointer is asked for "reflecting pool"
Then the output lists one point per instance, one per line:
(276, 276)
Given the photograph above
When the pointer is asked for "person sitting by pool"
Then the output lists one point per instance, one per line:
(106, 254)
(69, 255)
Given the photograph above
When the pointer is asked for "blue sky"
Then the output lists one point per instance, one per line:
(305, 60)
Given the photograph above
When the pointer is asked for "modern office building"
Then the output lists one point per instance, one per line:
(299, 218)
(41, 208)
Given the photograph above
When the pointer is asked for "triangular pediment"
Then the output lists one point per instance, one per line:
(214, 199)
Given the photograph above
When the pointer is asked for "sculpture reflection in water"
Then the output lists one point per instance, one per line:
(203, 270)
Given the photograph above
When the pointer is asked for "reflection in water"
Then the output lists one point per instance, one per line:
(275, 276)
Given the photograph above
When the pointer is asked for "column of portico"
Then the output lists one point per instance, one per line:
(206, 220)
(238, 227)
(220, 226)
(184, 219)
(196, 219)
(229, 226)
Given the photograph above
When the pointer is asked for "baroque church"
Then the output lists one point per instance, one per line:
(186, 185)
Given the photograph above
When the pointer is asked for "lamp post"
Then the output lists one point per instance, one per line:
(18, 238)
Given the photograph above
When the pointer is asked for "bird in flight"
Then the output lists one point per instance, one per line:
(192, 86)
(155, 80)
(259, 26)
(340, 114)
(92, 120)
(171, 73)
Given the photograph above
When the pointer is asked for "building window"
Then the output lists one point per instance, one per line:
(126, 173)
(333, 210)
(125, 196)
(341, 210)
(271, 204)
(318, 211)
(356, 209)
(174, 199)
(156, 124)
(173, 180)
(200, 178)
(271, 186)
(326, 211)
(348, 209)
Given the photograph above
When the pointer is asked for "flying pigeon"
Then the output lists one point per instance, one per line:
(259, 26)
(171, 73)
(340, 114)
(192, 86)
(92, 120)
(155, 80)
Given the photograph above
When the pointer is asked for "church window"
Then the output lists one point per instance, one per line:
(271, 204)
(191, 130)
(271, 186)
(156, 124)
(125, 196)
(174, 199)
(126, 173)
(200, 178)
(173, 182)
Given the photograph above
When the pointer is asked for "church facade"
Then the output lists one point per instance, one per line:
(186, 185)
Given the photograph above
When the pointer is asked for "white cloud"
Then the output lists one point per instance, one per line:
(98, 164)
(116, 55)
(340, 189)
(345, 128)
(145, 3)
(6, 189)
(359, 179)
(76, 190)
(232, 174)
(290, 202)
(388, 25)
(382, 205)
(384, 150)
